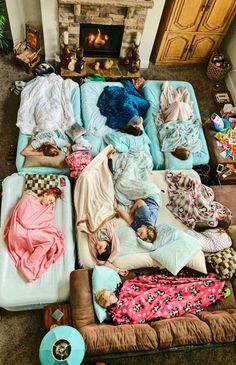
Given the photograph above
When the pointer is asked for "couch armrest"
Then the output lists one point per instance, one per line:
(82, 310)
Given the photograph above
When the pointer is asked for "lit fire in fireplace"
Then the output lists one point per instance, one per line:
(97, 39)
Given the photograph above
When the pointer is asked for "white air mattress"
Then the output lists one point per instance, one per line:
(16, 293)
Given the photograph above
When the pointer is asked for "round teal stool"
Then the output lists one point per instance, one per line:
(62, 345)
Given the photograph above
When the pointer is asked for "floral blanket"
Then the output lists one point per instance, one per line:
(154, 297)
(192, 202)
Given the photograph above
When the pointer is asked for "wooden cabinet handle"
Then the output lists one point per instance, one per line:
(203, 6)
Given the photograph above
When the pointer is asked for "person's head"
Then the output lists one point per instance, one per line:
(134, 130)
(224, 220)
(49, 196)
(103, 250)
(105, 298)
(147, 233)
(181, 152)
(49, 149)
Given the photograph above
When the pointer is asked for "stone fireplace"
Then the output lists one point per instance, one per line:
(130, 15)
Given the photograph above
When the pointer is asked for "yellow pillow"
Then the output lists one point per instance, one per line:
(56, 161)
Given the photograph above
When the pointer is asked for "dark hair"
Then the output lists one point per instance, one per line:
(49, 149)
(106, 254)
(224, 223)
(130, 129)
(181, 152)
(151, 233)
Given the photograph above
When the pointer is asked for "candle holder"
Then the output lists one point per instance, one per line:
(80, 61)
(66, 57)
(134, 60)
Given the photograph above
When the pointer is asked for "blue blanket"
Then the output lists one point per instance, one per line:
(120, 104)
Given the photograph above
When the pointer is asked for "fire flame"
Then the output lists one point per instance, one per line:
(97, 39)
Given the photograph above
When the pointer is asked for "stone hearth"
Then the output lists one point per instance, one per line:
(130, 13)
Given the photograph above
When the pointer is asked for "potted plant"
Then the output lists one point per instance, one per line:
(4, 41)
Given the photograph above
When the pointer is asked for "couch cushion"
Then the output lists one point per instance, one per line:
(222, 324)
(185, 330)
(81, 298)
(105, 338)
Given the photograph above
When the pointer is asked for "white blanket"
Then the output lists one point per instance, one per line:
(46, 105)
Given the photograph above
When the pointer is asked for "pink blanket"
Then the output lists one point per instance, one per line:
(32, 240)
(148, 298)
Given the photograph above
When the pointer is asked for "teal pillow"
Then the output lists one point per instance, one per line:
(124, 142)
(107, 278)
(176, 254)
(174, 163)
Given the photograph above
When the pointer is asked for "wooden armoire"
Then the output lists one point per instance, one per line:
(190, 30)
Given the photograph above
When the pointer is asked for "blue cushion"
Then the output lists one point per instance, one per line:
(107, 278)
(174, 163)
(176, 254)
(124, 142)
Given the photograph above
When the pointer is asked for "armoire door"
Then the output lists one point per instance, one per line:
(217, 16)
(202, 47)
(186, 15)
(175, 47)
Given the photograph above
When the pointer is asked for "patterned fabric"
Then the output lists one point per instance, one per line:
(223, 262)
(212, 240)
(38, 182)
(148, 298)
(77, 161)
(193, 202)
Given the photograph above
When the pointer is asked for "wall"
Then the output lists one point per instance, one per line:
(150, 29)
(229, 47)
(49, 11)
(21, 12)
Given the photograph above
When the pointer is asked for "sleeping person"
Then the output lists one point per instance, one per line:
(159, 296)
(142, 218)
(47, 143)
(32, 240)
(104, 246)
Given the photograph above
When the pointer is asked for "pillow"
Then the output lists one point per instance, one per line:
(124, 142)
(223, 262)
(174, 163)
(75, 131)
(38, 182)
(176, 254)
(107, 278)
(56, 161)
(198, 263)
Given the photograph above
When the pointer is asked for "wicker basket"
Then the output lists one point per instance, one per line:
(214, 72)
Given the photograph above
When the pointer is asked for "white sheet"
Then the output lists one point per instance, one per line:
(16, 293)
(138, 260)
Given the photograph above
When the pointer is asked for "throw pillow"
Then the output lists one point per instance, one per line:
(38, 182)
(174, 163)
(176, 254)
(56, 161)
(103, 278)
(75, 131)
(223, 262)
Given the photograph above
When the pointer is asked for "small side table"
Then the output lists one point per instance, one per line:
(215, 156)
(50, 322)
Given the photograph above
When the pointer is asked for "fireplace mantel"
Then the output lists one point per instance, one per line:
(125, 3)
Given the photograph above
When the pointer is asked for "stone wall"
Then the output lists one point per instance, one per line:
(130, 13)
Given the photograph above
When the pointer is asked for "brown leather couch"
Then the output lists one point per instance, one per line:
(214, 326)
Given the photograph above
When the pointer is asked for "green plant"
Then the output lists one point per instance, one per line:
(4, 41)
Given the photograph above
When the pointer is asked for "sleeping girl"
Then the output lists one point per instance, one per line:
(104, 246)
(30, 235)
(47, 143)
(160, 296)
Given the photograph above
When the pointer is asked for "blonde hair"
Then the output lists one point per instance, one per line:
(99, 297)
